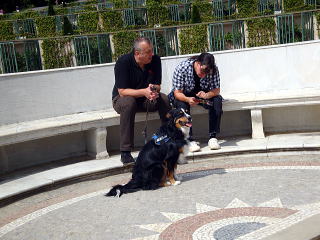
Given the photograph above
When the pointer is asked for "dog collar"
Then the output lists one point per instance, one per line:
(158, 140)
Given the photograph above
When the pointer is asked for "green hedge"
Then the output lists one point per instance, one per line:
(112, 20)
(123, 42)
(247, 8)
(88, 22)
(157, 13)
(6, 31)
(293, 5)
(24, 15)
(46, 26)
(57, 53)
(194, 39)
(205, 10)
(261, 32)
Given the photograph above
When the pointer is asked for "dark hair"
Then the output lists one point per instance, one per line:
(206, 59)
(136, 43)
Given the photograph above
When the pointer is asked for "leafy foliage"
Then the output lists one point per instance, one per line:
(6, 31)
(46, 26)
(195, 15)
(247, 8)
(194, 39)
(294, 5)
(157, 13)
(261, 32)
(205, 10)
(123, 42)
(88, 22)
(67, 28)
(112, 20)
(57, 53)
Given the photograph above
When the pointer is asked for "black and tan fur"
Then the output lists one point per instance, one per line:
(156, 162)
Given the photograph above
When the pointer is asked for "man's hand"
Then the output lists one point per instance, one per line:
(202, 95)
(151, 92)
(192, 101)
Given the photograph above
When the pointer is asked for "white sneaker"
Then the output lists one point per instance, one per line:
(213, 144)
(194, 146)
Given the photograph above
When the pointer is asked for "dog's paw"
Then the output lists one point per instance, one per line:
(177, 183)
(168, 183)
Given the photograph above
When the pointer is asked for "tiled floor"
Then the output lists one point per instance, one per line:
(224, 197)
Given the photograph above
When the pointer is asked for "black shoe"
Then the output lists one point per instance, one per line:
(126, 158)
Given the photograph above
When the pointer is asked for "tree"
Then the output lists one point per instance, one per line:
(67, 26)
(50, 9)
(195, 15)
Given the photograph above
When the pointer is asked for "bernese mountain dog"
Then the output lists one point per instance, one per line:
(157, 161)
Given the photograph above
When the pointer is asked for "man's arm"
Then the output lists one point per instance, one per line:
(179, 95)
(144, 92)
(210, 94)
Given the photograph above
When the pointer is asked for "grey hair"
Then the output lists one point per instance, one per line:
(136, 43)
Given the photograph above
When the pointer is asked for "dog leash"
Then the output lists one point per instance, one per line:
(144, 132)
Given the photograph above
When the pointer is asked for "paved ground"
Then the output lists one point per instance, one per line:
(249, 196)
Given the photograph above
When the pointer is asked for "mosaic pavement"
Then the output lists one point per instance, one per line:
(238, 201)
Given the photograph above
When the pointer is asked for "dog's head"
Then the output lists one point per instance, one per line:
(180, 118)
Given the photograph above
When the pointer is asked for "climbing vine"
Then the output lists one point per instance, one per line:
(205, 10)
(157, 13)
(46, 26)
(294, 5)
(194, 39)
(261, 32)
(57, 53)
(123, 42)
(6, 31)
(247, 8)
(88, 22)
(112, 20)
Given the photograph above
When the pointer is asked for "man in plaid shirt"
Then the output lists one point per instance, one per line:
(197, 81)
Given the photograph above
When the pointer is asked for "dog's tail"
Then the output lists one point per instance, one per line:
(118, 190)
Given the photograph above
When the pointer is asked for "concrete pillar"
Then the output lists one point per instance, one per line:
(97, 143)
(257, 123)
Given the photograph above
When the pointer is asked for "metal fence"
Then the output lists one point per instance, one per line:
(238, 34)
(216, 37)
(307, 29)
(285, 29)
(179, 12)
(24, 28)
(165, 41)
(8, 59)
(269, 5)
(134, 16)
(20, 56)
(92, 49)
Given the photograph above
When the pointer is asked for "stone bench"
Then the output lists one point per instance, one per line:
(95, 123)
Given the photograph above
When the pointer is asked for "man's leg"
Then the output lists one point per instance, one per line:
(215, 113)
(163, 106)
(127, 107)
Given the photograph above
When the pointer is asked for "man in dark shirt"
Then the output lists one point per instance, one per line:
(137, 88)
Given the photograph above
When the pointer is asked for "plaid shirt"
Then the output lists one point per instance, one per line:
(183, 79)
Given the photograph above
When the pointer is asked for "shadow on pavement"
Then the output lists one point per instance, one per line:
(199, 174)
